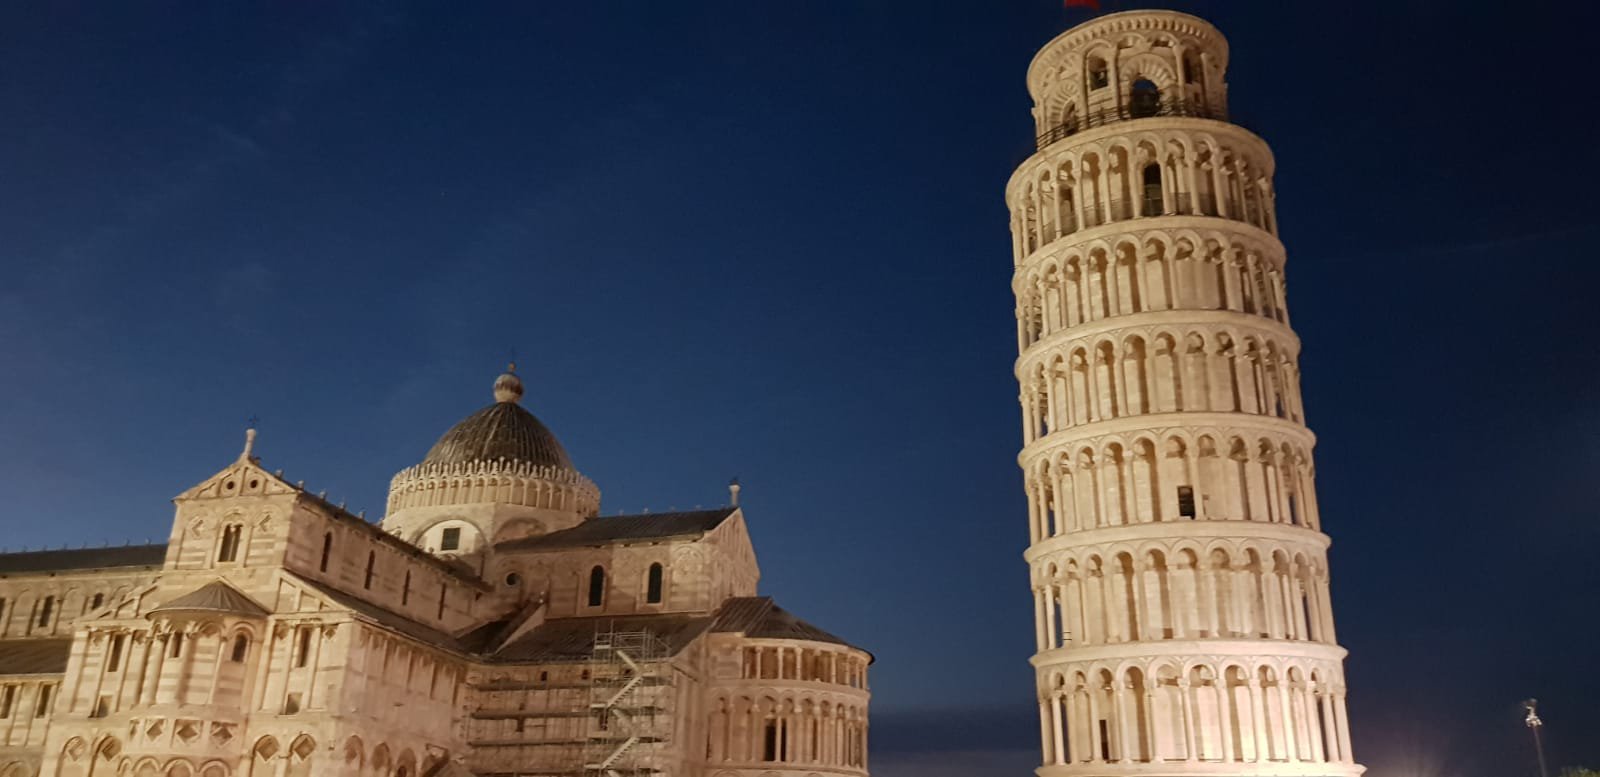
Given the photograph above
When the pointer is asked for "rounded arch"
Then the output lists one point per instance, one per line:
(301, 750)
(266, 748)
(405, 764)
(380, 758)
(355, 751)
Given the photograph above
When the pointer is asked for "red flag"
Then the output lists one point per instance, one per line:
(1095, 4)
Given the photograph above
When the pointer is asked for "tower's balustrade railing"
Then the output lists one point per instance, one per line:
(1136, 109)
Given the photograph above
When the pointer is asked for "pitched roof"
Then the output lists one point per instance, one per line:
(34, 656)
(457, 568)
(627, 528)
(386, 618)
(67, 560)
(215, 596)
(572, 639)
(762, 618)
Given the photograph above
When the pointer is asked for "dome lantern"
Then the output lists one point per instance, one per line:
(508, 387)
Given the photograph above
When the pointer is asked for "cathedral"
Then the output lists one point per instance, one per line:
(492, 623)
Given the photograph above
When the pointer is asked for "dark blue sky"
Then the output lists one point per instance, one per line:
(769, 239)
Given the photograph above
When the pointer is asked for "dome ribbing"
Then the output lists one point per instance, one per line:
(503, 430)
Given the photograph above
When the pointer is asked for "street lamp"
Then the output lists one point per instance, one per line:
(1533, 723)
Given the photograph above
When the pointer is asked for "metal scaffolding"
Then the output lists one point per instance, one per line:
(630, 704)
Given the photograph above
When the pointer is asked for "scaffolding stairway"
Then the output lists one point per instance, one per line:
(630, 716)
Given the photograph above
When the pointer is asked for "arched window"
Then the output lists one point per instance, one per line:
(652, 592)
(597, 586)
(177, 645)
(228, 549)
(327, 550)
(96, 601)
(769, 742)
(372, 558)
(450, 539)
(1145, 99)
(241, 648)
(46, 608)
(405, 589)
(302, 648)
(1152, 190)
(1098, 77)
(114, 659)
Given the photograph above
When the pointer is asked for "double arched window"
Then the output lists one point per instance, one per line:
(228, 548)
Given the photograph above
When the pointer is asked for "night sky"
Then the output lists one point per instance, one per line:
(768, 239)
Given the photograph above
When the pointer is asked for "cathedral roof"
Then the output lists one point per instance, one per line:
(572, 639)
(65, 560)
(627, 528)
(34, 656)
(385, 617)
(761, 618)
(503, 430)
(215, 596)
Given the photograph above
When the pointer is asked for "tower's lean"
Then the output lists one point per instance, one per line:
(1179, 571)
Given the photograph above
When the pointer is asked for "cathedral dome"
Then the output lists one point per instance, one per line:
(503, 430)
(501, 456)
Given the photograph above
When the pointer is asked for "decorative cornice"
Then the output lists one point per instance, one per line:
(1055, 55)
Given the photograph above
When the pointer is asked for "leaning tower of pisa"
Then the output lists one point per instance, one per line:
(1178, 565)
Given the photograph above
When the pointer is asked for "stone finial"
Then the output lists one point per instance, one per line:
(733, 492)
(508, 387)
(249, 442)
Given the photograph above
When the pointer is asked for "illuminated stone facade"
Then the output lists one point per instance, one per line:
(492, 624)
(1179, 571)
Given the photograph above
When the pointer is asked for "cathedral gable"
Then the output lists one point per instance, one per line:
(242, 478)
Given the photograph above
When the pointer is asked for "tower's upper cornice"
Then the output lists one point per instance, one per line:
(1057, 56)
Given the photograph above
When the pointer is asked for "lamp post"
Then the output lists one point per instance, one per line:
(1533, 723)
